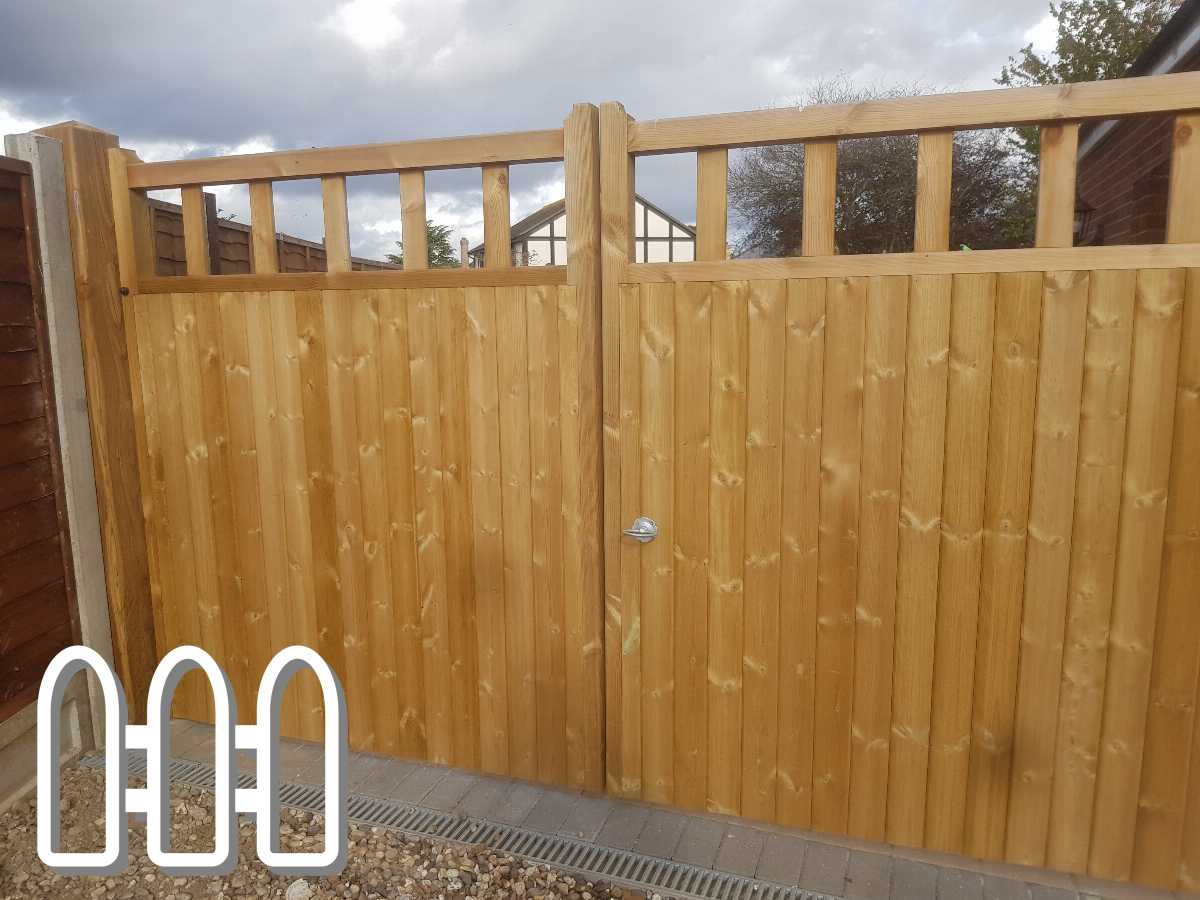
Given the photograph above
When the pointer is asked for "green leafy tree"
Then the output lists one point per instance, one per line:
(441, 254)
(1097, 39)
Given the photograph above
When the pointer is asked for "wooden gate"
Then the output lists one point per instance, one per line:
(926, 557)
(399, 469)
(927, 554)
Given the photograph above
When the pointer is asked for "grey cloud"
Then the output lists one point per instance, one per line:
(215, 73)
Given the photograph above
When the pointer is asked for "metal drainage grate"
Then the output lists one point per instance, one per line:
(583, 858)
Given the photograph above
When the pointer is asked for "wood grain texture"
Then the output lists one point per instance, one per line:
(837, 557)
(921, 472)
(968, 395)
(820, 198)
(1103, 414)
(1006, 514)
(1056, 185)
(712, 204)
(497, 252)
(337, 224)
(264, 250)
(412, 220)
(1152, 400)
(879, 537)
(1047, 562)
(935, 157)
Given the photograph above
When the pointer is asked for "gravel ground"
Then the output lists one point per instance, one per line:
(382, 863)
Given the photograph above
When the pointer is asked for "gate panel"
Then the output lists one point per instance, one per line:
(377, 474)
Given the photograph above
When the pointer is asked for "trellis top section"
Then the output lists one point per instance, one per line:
(361, 159)
(999, 108)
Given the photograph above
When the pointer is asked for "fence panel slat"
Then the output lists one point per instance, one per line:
(820, 198)
(712, 203)
(841, 453)
(879, 529)
(658, 410)
(264, 249)
(486, 508)
(195, 231)
(513, 383)
(412, 220)
(545, 490)
(1048, 561)
(1056, 185)
(968, 395)
(430, 521)
(337, 223)
(765, 389)
(497, 251)
(1171, 714)
(799, 526)
(727, 544)
(1153, 379)
(935, 156)
(628, 782)
(1103, 412)
(921, 472)
(1006, 515)
(692, 452)
(1183, 213)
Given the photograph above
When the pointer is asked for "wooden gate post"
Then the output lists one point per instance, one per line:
(110, 405)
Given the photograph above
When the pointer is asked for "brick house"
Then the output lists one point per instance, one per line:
(1124, 166)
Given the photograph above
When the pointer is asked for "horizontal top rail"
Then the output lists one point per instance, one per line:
(872, 118)
(361, 159)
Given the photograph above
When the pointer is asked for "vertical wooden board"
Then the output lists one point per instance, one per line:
(1103, 412)
(337, 224)
(616, 226)
(267, 453)
(169, 615)
(799, 521)
(545, 447)
(727, 544)
(209, 344)
(347, 492)
(692, 455)
(628, 773)
(837, 558)
(1048, 561)
(583, 489)
(497, 238)
(311, 352)
(820, 198)
(207, 596)
(407, 599)
(363, 313)
(430, 529)
(1005, 519)
(413, 224)
(195, 230)
(1152, 397)
(264, 251)
(765, 389)
(486, 510)
(1056, 184)
(289, 425)
(712, 203)
(244, 480)
(456, 494)
(968, 392)
(1170, 717)
(582, 584)
(921, 470)
(879, 542)
(935, 161)
(513, 385)
(658, 411)
(1183, 219)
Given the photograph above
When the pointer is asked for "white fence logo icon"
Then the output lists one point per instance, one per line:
(154, 799)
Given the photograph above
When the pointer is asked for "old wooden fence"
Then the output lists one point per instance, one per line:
(929, 522)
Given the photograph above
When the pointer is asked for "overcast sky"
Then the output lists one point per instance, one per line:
(208, 77)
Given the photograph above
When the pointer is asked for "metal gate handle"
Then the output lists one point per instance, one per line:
(644, 530)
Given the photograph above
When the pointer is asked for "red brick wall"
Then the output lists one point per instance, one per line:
(1124, 179)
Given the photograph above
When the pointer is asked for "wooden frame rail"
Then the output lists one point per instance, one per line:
(1056, 110)
(131, 178)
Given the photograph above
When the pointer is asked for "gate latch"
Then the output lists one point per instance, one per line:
(644, 530)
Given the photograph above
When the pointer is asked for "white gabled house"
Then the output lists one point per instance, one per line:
(540, 239)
